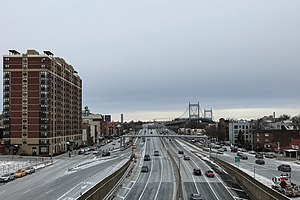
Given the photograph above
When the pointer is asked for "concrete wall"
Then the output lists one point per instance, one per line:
(254, 188)
(100, 190)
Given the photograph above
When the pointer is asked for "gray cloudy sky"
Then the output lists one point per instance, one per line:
(150, 58)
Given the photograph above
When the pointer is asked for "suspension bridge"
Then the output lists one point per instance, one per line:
(192, 113)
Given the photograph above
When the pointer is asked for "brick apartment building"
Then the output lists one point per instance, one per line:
(42, 104)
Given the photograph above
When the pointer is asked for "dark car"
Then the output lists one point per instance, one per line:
(81, 152)
(259, 156)
(107, 153)
(156, 153)
(260, 162)
(146, 157)
(284, 168)
(180, 152)
(244, 157)
(209, 174)
(195, 196)
(197, 172)
(239, 153)
(144, 169)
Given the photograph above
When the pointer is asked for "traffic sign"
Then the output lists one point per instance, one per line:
(237, 159)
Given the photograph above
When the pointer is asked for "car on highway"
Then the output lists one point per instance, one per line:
(146, 157)
(180, 152)
(252, 152)
(106, 153)
(260, 162)
(195, 196)
(239, 153)
(197, 172)
(145, 169)
(20, 173)
(209, 174)
(259, 155)
(244, 157)
(186, 158)
(7, 177)
(269, 155)
(156, 153)
(29, 170)
(284, 168)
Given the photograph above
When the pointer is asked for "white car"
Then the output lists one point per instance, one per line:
(7, 177)
(29, 170)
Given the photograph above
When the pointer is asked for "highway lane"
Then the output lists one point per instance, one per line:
(209, 188)
(56, 182)
(158, 183)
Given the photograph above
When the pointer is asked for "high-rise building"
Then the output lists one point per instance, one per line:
(122, 118)
(107, 118)
(42, 104)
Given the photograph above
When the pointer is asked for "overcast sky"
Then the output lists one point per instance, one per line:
(149, 58)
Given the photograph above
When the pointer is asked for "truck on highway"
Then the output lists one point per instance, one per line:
(284, 185)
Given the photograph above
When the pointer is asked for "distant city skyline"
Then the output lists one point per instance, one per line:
(149, 59)
(237, 114)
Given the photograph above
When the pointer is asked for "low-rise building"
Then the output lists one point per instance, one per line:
(241, 132)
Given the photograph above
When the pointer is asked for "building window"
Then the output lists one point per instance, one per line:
(6, 59)
(266, 134)
(44, 149)
(267, 140)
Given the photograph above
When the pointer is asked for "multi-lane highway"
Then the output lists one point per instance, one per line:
(162, 182)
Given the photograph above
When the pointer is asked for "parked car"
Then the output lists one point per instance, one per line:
(29, 170)
(180, 152)
(260, 162)
(146, 157)
(195, 196)
(284, 168)
(156, 153)
(197, 172)
(7, 177)
(209, 174)
(186, 158)
(144, 169)
(81, 152)
(107, 153)
(20, 173)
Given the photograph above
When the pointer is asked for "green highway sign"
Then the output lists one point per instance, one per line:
(237, 159)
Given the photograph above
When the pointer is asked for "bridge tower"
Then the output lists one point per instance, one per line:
(208, 114)
(194, 111)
